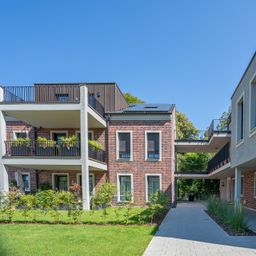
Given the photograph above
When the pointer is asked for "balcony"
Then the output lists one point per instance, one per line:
(211, 140)
(220, 159)
(49, 94)
(50, 150)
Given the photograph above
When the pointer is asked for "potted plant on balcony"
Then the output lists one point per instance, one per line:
(20, 147)
(45, 147)
(95, 144)
(95, 150)
(70, 146)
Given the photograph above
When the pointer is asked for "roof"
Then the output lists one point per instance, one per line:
(147, 108)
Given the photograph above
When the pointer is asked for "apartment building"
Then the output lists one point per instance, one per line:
(45, 135)
(234, 161)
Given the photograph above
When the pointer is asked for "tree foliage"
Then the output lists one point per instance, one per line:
(131, 99)
(185, 129)
(192, 162)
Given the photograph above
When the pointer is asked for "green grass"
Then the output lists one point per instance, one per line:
(114, 216)
(37, 239)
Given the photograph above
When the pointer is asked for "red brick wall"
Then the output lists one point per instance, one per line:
(248, 198)
(18, 126)
(139, 166)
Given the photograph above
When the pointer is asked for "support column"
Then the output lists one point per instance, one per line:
(4, 183)
(237, 186)
(84, 146)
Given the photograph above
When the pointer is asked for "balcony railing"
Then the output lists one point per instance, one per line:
(97, 154)
(217, 126)
(220, 159)
(49, 94)
(49, 149)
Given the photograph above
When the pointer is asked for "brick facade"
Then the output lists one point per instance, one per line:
(138, 167)
(248, 198)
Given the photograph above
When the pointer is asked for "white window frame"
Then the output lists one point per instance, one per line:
(117, 145)
(160, 145)
(118, 186)
(19, 131)
(242, 179)
(252, 131)
(146, 183)
(89, 131)
(241, 141)
(254, 194)
(26, 173)
(57, 131)
(60, 174)
(79, 176)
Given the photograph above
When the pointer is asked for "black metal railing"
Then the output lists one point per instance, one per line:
(220, 159)
(217, 126)
(49, 94)
(95, 104)
(42, 149)
(97, 154)
(32, 148)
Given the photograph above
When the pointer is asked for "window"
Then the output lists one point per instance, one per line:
(57, 135)
(240, 120)
(124, 187)
(124, 146)
(242, 185)
(25, 182)
(153, 146)
(20, 134)
(62, 97)
(60, 182)
(253, 106)
(90, 135)
(153, 184)
(91, 182)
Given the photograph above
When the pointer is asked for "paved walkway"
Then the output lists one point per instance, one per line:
(188, 231)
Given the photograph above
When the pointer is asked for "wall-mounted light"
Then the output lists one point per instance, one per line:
(98, 94)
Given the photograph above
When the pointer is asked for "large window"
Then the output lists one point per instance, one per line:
(25, 182)
(242, 185)
(153, 185)
(57, 135)
(240, 120)
(124, 187)
(60, 182)
(91, 182)
(253, 106)
(153, 146)
(124, 151)
(20, 134)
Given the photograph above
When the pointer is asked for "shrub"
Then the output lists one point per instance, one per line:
(46, 199)
(95, 144)
(66, 199)
(29, 204)
(158, 205)
(21, 142)
(69, 141)
(104, 195)
(228, 214)
(44, 142)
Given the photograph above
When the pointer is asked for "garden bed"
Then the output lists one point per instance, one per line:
(230, 217)
(114, 216)
(229, 230)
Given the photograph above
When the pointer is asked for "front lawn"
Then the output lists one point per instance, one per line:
(37, 239)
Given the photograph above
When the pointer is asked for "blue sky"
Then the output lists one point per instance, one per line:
(191, 53)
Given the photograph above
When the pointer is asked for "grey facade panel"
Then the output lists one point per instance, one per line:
(242, 153)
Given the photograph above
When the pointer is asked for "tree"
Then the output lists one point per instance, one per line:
(131, 99)
(185, 129)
